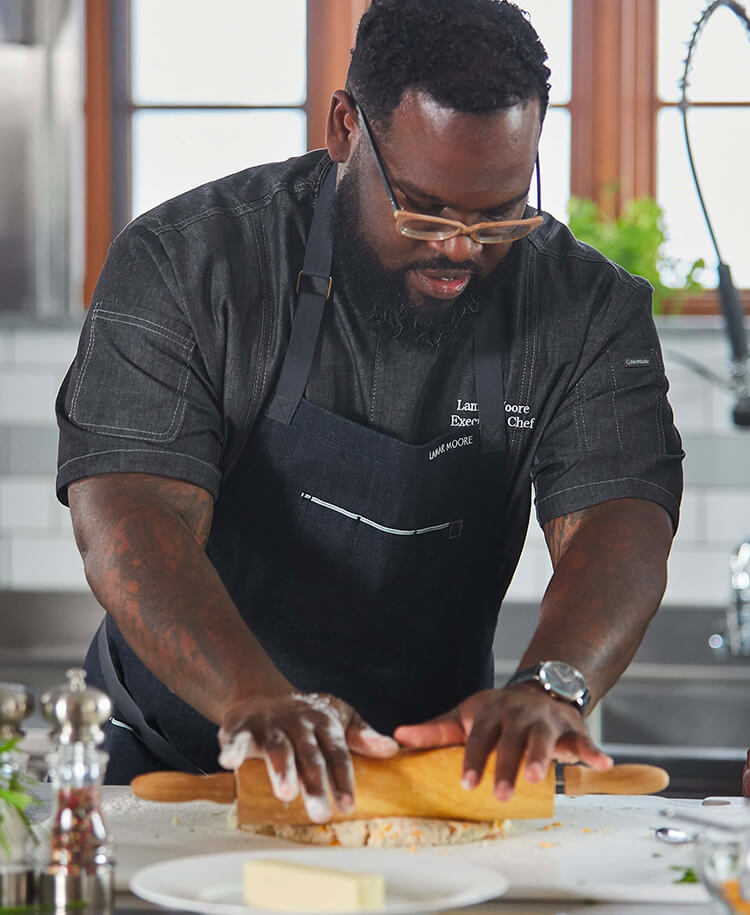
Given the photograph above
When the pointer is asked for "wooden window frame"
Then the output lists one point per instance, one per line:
(613, 108)
(331, 28)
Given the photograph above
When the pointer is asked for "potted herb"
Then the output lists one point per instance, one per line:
(635, 240)
(15, 799)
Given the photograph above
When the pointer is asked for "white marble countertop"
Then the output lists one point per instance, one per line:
(598, 854)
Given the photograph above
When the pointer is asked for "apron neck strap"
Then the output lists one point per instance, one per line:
(313, 287)
(488, 376)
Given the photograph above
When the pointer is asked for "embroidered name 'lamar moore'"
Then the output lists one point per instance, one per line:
(517, 414)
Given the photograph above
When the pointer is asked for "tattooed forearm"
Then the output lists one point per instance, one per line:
(559, 531)
(142, 538)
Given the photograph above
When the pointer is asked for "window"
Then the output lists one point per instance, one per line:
(208, 95)
(553, 23)
(719, 131)
(180, 92)
(186, 115)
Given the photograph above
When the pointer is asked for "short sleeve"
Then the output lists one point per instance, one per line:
(613, 435)
(137, 397)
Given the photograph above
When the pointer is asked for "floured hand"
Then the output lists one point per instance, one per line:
(305, 740)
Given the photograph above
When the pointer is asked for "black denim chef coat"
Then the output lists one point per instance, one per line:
(191, 319)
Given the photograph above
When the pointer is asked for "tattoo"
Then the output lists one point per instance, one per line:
(559, 531)
(143, 538)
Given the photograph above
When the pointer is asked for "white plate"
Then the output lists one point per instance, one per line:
(414, 882)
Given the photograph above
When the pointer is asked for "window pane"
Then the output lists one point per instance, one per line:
(720, 138)
(552, 20)
(554, 159)
(223, 52)
(721, 60)
(174, 151)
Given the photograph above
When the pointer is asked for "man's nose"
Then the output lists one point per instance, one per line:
(459, 249)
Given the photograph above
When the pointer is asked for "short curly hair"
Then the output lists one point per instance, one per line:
(474, 56)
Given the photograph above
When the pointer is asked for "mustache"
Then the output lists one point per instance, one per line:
(444, 263)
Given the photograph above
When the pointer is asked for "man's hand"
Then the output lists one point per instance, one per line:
(304, 739)
(522, 723)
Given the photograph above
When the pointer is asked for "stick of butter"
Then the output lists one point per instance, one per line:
(273, 884)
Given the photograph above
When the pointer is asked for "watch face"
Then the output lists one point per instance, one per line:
(563, 680)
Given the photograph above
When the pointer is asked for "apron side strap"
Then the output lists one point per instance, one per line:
(132, 715)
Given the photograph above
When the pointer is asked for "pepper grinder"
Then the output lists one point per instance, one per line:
(79, 870)
(16, 859)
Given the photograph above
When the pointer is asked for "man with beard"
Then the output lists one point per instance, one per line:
(309, 404)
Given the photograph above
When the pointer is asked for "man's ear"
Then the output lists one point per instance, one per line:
(341, 127)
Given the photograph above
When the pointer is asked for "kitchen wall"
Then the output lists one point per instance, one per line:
(37, 552)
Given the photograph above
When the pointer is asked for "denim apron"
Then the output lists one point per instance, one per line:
(366, 567)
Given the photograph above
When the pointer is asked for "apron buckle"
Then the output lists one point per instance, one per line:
(314, 284)
(455, 529)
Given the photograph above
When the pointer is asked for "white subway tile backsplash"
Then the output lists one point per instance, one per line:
(691, 404)
(531, 577)
(50, 348)
(60, 514)
(722, 404)
(45, 563)
(692, 519)
(535, 535)
(4, 562)
(698, 577)
(728, 515)
(27, 397)
(25, 504)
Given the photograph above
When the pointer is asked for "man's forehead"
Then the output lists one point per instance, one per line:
(419, 107)
(456, 156)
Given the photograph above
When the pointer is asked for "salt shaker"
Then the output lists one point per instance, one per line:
(79, 869)
(16, 853)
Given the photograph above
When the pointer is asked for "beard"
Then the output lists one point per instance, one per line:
(391, 310)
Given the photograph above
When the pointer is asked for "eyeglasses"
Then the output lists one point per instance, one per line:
(435, 228)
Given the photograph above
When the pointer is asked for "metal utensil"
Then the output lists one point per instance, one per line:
(674, 836)
(674, 814)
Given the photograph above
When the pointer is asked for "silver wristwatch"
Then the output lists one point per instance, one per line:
(562, 681)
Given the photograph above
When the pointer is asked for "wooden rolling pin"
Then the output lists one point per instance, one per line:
(424, 783)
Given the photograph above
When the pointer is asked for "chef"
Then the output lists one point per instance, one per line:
(308, 408)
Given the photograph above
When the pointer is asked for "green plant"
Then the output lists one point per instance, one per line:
(14, 794)
(634, 240)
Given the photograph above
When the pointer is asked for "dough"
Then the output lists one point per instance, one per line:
(381, 832)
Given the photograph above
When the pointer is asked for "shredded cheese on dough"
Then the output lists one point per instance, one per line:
(380, 832)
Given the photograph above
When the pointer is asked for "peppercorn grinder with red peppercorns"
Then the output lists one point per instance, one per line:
(79, 870)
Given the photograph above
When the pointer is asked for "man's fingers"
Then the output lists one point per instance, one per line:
(511, 748)
(313, 776)
(445, 731)
(479, 744)
(280, 765)
(572, 746)
(332, 742)
(540, 747)
(236, 748)
(364, 739)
